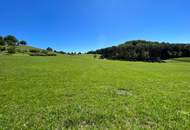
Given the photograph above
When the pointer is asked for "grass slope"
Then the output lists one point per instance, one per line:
(20, 51)
(79, 92)
(26, 48)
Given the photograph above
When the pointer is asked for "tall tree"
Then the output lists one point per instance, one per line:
(22, 43)
(2, 42)
(49, 49)
(10, 40)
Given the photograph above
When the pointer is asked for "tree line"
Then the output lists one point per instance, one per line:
(141, 50)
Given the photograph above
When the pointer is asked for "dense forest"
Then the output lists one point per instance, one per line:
(141, 50)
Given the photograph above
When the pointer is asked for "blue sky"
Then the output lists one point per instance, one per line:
(82, 25)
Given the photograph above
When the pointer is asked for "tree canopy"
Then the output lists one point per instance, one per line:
(22, 43)
(141, 50)
(2, 43)
(49, 49)
(11, 40)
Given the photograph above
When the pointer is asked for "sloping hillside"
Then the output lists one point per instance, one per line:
(27, 48)
(25, 51)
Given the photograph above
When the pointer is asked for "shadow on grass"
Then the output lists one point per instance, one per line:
(182, 60)
(146, 61)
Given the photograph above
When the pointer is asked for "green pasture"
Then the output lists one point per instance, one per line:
(81, 92)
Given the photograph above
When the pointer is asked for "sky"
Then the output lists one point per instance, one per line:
(83, 25)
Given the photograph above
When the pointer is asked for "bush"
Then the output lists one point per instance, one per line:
(24, 51)
(49, 49)
(21, 51)
(34, 50)
(44, 51)
(2, 48)
(18, 50)
(42, 54)
(37, 54)
(11, 49)
(95, 56)
(51, 54)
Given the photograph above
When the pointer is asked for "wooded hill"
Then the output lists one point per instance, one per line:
(141, 50)
(11, 45)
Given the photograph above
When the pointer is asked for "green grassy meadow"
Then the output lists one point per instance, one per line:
(80, 92)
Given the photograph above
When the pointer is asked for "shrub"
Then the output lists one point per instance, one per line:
(24, 51)
(21, 51)
(37, 54)
(44, 51)
(42, 54)
(95, 56)
(51, 54)
(2, 48)
(34, 50)
(11, 49)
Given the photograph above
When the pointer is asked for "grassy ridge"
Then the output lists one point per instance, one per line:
(26, 48)
(87, 93)
(20, 51)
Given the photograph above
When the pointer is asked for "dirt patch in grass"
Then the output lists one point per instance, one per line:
(123, 92)
(85, 121)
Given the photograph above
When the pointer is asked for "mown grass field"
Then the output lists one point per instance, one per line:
(80, 92)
